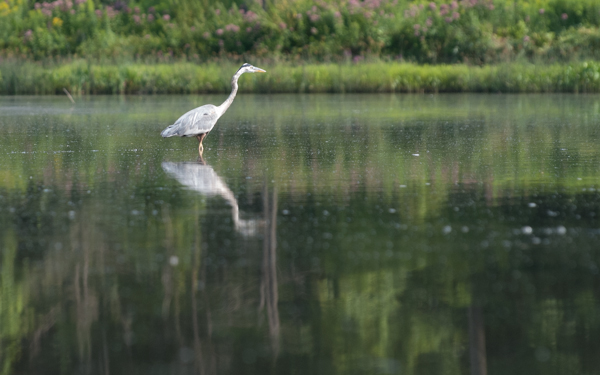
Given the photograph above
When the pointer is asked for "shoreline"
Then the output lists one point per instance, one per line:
(87, 78)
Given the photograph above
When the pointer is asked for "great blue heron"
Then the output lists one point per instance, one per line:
(200, 121)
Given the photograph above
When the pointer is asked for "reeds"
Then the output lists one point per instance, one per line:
(82, 78)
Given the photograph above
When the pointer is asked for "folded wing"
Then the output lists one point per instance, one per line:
(197, 121)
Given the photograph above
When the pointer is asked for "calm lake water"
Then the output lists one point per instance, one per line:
(324, 234)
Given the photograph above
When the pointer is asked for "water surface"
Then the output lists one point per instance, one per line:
(323, 234)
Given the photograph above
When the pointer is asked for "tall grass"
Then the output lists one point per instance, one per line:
(81, 78)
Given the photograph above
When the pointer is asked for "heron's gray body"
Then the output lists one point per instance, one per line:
(200, 121)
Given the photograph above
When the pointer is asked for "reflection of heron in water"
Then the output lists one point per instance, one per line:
(203, 179)
(200, 121)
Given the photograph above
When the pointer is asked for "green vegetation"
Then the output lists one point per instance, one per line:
(160, 46)
(470, 31)
(84, 78)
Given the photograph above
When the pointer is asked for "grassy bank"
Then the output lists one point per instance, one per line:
(82, 78)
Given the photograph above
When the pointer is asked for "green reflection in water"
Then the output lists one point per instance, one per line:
(325, 234)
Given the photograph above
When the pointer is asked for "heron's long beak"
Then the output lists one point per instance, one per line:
(259, 70)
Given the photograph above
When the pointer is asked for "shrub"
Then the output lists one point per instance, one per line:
(472, 31)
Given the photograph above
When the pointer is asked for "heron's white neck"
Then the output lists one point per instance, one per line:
(234, 88)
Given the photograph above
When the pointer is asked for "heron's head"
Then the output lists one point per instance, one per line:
(247, 68)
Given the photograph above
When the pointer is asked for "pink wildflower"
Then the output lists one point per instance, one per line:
(542, 11)
(150, 18)
(166, 17)
(219, 32)
(250, 16)
(455, 15)
(232, 27)
(564, 16)
(110, 12)
(314, 30)
(432, 6)
(443, 9)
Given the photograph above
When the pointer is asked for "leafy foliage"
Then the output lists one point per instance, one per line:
(473, 31)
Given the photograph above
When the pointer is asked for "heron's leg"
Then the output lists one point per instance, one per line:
(200, 137)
